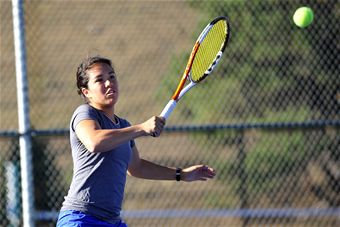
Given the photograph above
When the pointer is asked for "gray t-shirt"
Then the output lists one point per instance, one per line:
(98, 182)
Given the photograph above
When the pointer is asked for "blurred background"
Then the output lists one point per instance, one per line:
(267, 120)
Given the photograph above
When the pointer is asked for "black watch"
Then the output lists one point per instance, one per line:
(178, 174)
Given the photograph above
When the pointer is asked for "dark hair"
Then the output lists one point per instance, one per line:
(82, 76)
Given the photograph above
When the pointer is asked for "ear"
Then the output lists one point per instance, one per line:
(85, 92)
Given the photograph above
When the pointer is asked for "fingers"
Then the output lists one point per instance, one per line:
(208, 171)
(156, 125)
(160, 122)
(198, 173)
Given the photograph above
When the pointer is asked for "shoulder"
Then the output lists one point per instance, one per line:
(83, 112)
(83, 108)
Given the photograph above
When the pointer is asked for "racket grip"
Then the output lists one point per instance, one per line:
(168, 109)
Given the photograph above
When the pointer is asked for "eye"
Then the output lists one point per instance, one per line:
(112, 77)
(98, 80)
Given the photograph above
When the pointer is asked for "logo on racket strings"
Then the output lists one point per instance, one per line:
(212, 66)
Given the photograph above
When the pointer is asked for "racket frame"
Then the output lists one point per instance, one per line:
(181, 90)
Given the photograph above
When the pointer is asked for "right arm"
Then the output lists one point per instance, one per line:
(96, 139)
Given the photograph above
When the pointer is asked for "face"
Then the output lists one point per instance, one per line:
(102, 91)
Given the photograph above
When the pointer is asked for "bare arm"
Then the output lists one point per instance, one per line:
(96, 139)
(148, 170)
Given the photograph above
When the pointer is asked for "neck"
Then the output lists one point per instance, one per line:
(107, 110)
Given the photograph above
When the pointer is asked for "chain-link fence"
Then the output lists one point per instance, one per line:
(267, 120)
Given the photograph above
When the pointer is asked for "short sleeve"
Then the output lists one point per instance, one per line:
(83, 112)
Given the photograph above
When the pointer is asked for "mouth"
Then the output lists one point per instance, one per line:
(111, 93)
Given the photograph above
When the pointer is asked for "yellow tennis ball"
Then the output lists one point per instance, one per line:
(303, 17)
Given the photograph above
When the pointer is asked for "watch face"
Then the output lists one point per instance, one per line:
(178, 174)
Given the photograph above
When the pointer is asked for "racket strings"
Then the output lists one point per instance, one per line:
(209, 48)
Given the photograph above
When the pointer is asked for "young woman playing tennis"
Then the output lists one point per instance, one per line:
(103, 151)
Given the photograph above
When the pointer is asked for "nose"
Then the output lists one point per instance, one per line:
(108, 83)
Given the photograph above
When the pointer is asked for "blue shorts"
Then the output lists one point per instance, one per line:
(72, 218)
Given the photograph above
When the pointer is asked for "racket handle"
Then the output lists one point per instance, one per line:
(168, 109)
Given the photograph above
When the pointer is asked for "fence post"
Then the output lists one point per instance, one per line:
(13, 198)
(242, 175)
(23, 114)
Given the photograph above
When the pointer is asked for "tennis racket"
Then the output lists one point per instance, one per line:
(204, 57)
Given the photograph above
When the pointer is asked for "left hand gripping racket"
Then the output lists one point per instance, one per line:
(204, 57)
